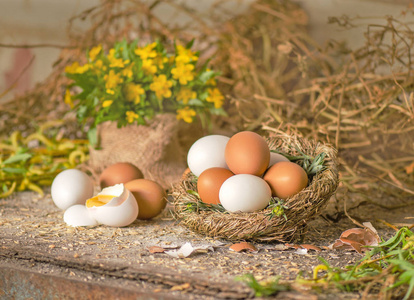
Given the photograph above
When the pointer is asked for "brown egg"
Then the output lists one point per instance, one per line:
(151, 197)
(119, 173)
(209, 184)
(247, 153)
(286, 179)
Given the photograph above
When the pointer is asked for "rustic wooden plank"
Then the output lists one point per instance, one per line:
(61, 286)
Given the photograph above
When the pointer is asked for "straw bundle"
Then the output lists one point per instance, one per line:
(262, 226)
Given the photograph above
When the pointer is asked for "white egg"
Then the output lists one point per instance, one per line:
(113, 206)
(71, 187)
(78, 215)
(206, 153)
(275, 158)
(245, 193)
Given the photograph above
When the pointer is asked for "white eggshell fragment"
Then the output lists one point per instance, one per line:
(71, 187)
(275, 158)
(78, 215)
(206, 153)
(245, 193)
(120, 211)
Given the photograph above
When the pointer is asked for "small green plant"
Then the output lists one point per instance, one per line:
(28, 163)
(131, 83)
(201, 206)
(390, 265)
(277, 208)
(312, 165)
(393, 259)
(264, 288)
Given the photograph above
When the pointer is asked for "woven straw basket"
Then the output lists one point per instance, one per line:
(258, 226)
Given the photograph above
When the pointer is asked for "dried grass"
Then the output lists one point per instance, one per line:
(260, 226)
(276, 77)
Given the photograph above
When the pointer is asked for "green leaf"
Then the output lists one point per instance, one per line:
(189, 44)
(403, 264)
(14, 170)
(196, 102)
(17, 158)
(203, 95)
(194, 193)
(93, 136)
(218, 112)
(82, 112)
(266, 289)
(205, 76)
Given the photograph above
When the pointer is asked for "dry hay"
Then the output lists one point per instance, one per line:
(261, 226)
(277, 78)
(361, 100)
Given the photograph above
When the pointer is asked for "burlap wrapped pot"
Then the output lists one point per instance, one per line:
(258, 226)
(154, 148)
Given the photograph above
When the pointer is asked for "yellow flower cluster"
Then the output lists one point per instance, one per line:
(215, 96)
(186, 114)
(133, 92)
(161, 86)
(185, 94)
(75, 68)
(143, 81)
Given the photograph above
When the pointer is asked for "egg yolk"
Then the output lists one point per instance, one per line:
(98, 200)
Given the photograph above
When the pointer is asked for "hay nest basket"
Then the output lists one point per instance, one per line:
(259, 226)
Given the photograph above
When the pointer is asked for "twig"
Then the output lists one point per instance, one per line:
(46, 45)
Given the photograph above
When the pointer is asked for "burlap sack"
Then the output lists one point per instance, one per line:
(154, 148)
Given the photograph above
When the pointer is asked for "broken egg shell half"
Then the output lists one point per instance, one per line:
(120, 210)
(78, 215)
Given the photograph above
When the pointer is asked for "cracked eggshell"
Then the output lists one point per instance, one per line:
(78, 215)
(120, 210)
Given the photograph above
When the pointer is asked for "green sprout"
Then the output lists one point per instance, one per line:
(277, 208)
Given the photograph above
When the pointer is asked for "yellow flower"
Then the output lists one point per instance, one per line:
(93, 53)
(159, 61)
(147, 51)
(186, 114)
(133, 92)
(161, 86)
(116, 62)
(186, 94)
(127, 72)
(98, 64)
(82, 69)
(75, 68)
(131, 116)
(183, 73)
(148, 67)
(211, 81)
(107, 103)
(185, 55)
(112, 80)
(68, 99)
(72, 68)
(215, 96)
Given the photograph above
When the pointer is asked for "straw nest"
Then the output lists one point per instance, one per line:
(261, 226)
